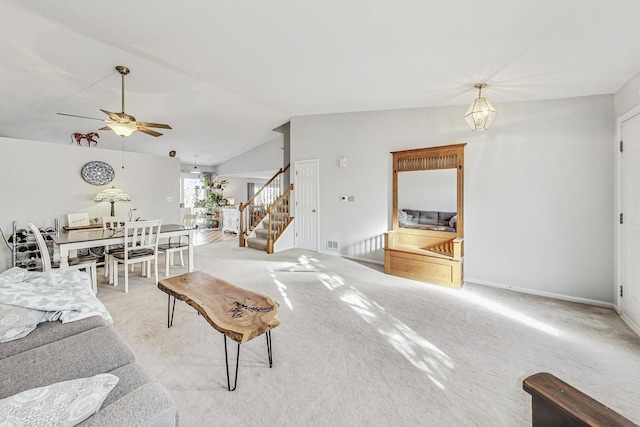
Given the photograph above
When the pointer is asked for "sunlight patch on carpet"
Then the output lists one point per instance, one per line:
(418, 351)
(510, 313)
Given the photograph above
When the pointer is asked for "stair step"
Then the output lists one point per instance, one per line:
(257, 243)
(262, 233)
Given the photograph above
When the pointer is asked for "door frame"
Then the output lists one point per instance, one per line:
(618, 209)
(296, 187)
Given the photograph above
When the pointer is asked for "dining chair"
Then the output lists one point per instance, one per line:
(88, 265)
(171, 247)
(111, 223)
(140, 246)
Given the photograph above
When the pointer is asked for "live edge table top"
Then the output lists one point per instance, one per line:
(238, 313)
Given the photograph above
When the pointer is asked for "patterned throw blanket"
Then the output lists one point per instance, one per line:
(64, 295)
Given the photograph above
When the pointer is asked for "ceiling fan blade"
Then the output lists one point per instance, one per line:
(105, 128)
(81, 117)
(113, 116)
(148, 131)
(154, 125)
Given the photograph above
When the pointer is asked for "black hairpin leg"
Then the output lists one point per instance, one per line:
(226, 360)
(170, 311)
(269, 353)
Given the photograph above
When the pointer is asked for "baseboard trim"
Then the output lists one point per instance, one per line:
(370, 261)
(630, 324)
(541, 293)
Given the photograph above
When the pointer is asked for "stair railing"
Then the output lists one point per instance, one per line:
(279, 218)
(255, 209)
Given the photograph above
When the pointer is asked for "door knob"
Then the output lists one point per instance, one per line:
(313, 210)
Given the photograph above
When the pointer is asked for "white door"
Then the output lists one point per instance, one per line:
(306, 197)
(630, 231)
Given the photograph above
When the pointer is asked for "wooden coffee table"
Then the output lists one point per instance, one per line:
(237, 313)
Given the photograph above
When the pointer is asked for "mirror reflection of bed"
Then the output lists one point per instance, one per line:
(427, 239)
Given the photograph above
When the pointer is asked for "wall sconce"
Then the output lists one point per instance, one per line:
(342, 162)
(480, 113)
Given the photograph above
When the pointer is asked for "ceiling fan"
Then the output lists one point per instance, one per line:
(123, 124)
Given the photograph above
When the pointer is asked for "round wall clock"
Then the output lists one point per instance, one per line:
(97, 173)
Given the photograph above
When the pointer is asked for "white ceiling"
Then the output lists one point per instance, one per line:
(225, 73)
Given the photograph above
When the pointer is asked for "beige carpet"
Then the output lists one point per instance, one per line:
(357, 347)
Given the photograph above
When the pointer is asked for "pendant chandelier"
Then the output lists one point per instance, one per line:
(481, 112)
(195, 169)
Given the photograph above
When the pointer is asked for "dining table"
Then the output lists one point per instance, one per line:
(66, 242)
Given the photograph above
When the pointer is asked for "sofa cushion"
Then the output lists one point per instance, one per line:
(66, 403)
(88, 353)
(148, 405)
(445, 217)
(428, 218)
(49, 332)
(132, 376)
(414, 214)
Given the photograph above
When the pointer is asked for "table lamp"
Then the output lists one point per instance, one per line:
(112, 195)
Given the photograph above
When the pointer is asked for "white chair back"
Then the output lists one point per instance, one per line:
(189, 220)
(42, 246)
(139, 235)
(113, 222)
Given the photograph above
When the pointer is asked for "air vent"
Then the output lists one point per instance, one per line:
(332, 245)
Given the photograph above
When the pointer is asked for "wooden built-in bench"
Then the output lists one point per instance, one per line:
(426, 258)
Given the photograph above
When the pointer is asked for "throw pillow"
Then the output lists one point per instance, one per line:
(61, 404)
(453, 222)
(403, 217)
(16, 322)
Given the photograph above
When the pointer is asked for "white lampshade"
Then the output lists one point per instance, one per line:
(481, 112)
(122, 129)
(112, 195)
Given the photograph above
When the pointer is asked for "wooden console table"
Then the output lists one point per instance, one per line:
(237, 313)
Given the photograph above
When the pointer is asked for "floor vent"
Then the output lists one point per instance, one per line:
(332, 245)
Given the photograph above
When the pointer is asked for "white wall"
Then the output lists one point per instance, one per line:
(41, 181)
(266, 157)
(538, 187)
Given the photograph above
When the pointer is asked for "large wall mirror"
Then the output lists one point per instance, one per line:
(429, 199)
(428, 192)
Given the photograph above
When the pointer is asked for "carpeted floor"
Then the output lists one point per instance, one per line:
(357, 347)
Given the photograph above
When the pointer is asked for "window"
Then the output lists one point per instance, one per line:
(189, 191)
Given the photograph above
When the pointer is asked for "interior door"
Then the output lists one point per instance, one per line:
(306, 197)
(630, 229)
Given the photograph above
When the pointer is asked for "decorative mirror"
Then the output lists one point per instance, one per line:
(428, 188)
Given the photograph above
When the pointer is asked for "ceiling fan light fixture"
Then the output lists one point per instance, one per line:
(122, 129)
(481, 112)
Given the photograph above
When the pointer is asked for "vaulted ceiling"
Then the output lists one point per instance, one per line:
(224, 74)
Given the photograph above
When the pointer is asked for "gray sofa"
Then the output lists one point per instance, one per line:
(428, 220)
(56, 352)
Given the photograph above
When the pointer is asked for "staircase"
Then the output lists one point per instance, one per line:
(265, 217)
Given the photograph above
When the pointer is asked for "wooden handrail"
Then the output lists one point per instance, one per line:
(255, 215)
(282, 197)
(556, 403)
(273, 235)
(248, 202)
